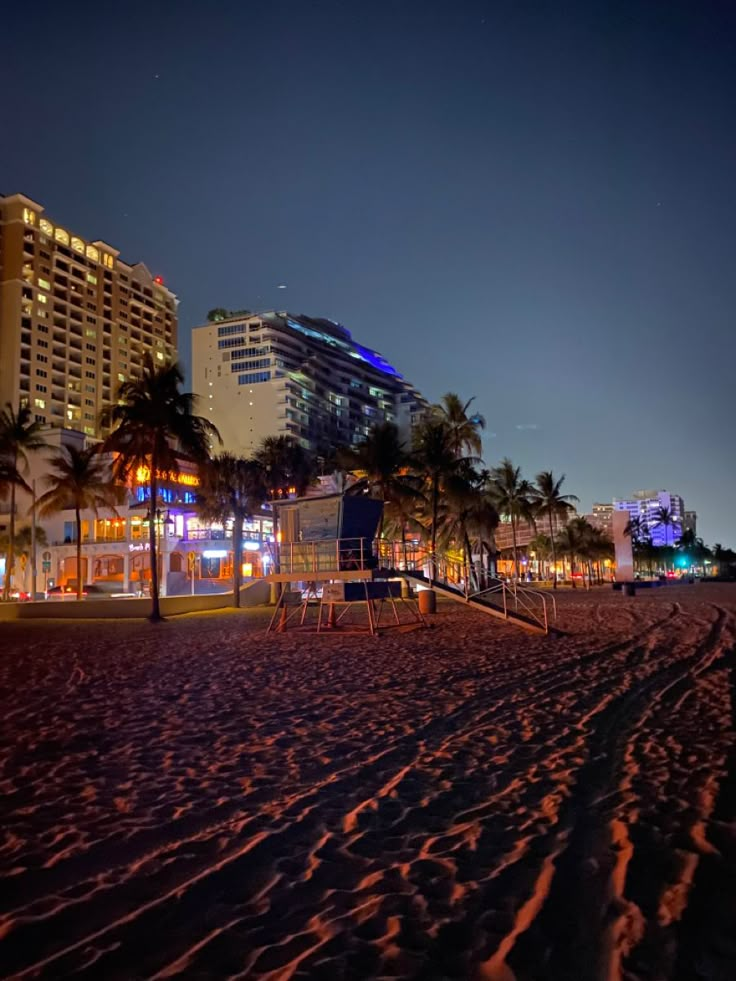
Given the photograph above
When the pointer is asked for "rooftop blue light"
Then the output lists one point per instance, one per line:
(372, 358)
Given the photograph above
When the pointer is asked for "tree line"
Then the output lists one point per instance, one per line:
(436, 490)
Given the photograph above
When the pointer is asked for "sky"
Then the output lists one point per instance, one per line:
(529, 203)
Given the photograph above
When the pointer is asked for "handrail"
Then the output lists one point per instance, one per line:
(324, 555)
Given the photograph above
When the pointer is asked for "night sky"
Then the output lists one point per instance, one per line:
(532, 203)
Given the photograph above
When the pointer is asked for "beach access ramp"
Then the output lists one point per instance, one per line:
(527, 608)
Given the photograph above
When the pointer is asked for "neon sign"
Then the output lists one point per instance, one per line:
(143, 476)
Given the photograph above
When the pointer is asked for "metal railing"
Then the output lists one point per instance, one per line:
(511, 597)
(515, 598)
(329, 555)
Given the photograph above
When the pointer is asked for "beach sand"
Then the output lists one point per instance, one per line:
(468, 801)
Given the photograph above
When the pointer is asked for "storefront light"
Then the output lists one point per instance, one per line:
(251, 546)
(214, 553)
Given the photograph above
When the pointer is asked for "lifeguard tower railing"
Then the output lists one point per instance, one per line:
(326, 560)
(321, 558)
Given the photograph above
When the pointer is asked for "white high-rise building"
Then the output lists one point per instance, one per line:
(646, 506)
(273, 374)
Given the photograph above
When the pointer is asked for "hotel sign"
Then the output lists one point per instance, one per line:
(143, 475)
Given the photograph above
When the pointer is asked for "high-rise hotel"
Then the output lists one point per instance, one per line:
(275, 374)
(75, 320)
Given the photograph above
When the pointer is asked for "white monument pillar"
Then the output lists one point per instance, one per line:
(622, 543)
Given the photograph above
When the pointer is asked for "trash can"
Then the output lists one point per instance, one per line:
(427, 601)
(629, 589)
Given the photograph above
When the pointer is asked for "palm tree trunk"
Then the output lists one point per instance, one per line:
(435, 506)
(470, 571)
(237, 557)
(153, 552)
(554, 551)
(572, 570)
(78, 518)
(516, 557)
(11, 540)
(276, 542)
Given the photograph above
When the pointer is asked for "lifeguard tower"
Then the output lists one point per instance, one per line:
(326, 562)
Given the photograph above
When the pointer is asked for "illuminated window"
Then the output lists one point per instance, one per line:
(29, 217)
(91, 279)
(42, 298)
(121, 377)
(78, 245)
(61, 236)
(40, 403)
(107, 260)
(44, 284)
(46, 227)
(92, 253)
(159, 356)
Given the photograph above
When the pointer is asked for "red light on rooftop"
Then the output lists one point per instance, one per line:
(159, 280)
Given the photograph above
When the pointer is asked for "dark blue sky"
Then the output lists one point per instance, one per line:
(532, 203)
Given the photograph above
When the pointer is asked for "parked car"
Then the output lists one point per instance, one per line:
(70, 592)
(19, 595)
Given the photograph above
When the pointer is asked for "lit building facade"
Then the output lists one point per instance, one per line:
(75, 320)
(276, 374)
(194, 555)
(645, 506)
(602, 518)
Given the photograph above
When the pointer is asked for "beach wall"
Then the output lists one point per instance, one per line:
(254, 594)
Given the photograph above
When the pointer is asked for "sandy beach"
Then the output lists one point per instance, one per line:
(468, 801)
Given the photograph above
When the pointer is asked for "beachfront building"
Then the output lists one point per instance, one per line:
(601, 517)
(645, 506)
(75, 320)
(273, 374)
(526, 532)
(194, 555)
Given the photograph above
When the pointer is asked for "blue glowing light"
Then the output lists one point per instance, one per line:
(355, 350)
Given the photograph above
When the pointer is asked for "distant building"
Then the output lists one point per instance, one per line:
(690, 522)
(75, 320)
(602, 518)
(645, 506)
(276, 374)
(527, 530)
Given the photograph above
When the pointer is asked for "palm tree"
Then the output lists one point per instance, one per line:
(548, 500)
(20, 435)
(153, 423)
(23, 543)
(599, 547)
(284, 464)
(434, 457)
(664, 518)
(543, 547)
(82, 481)
(458, 509)
(232, 487)
(483, 523)
(511, 495)
(381, 462)
(464, 428)
(570, 542)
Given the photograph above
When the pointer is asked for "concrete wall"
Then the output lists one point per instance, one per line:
(255, 593)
